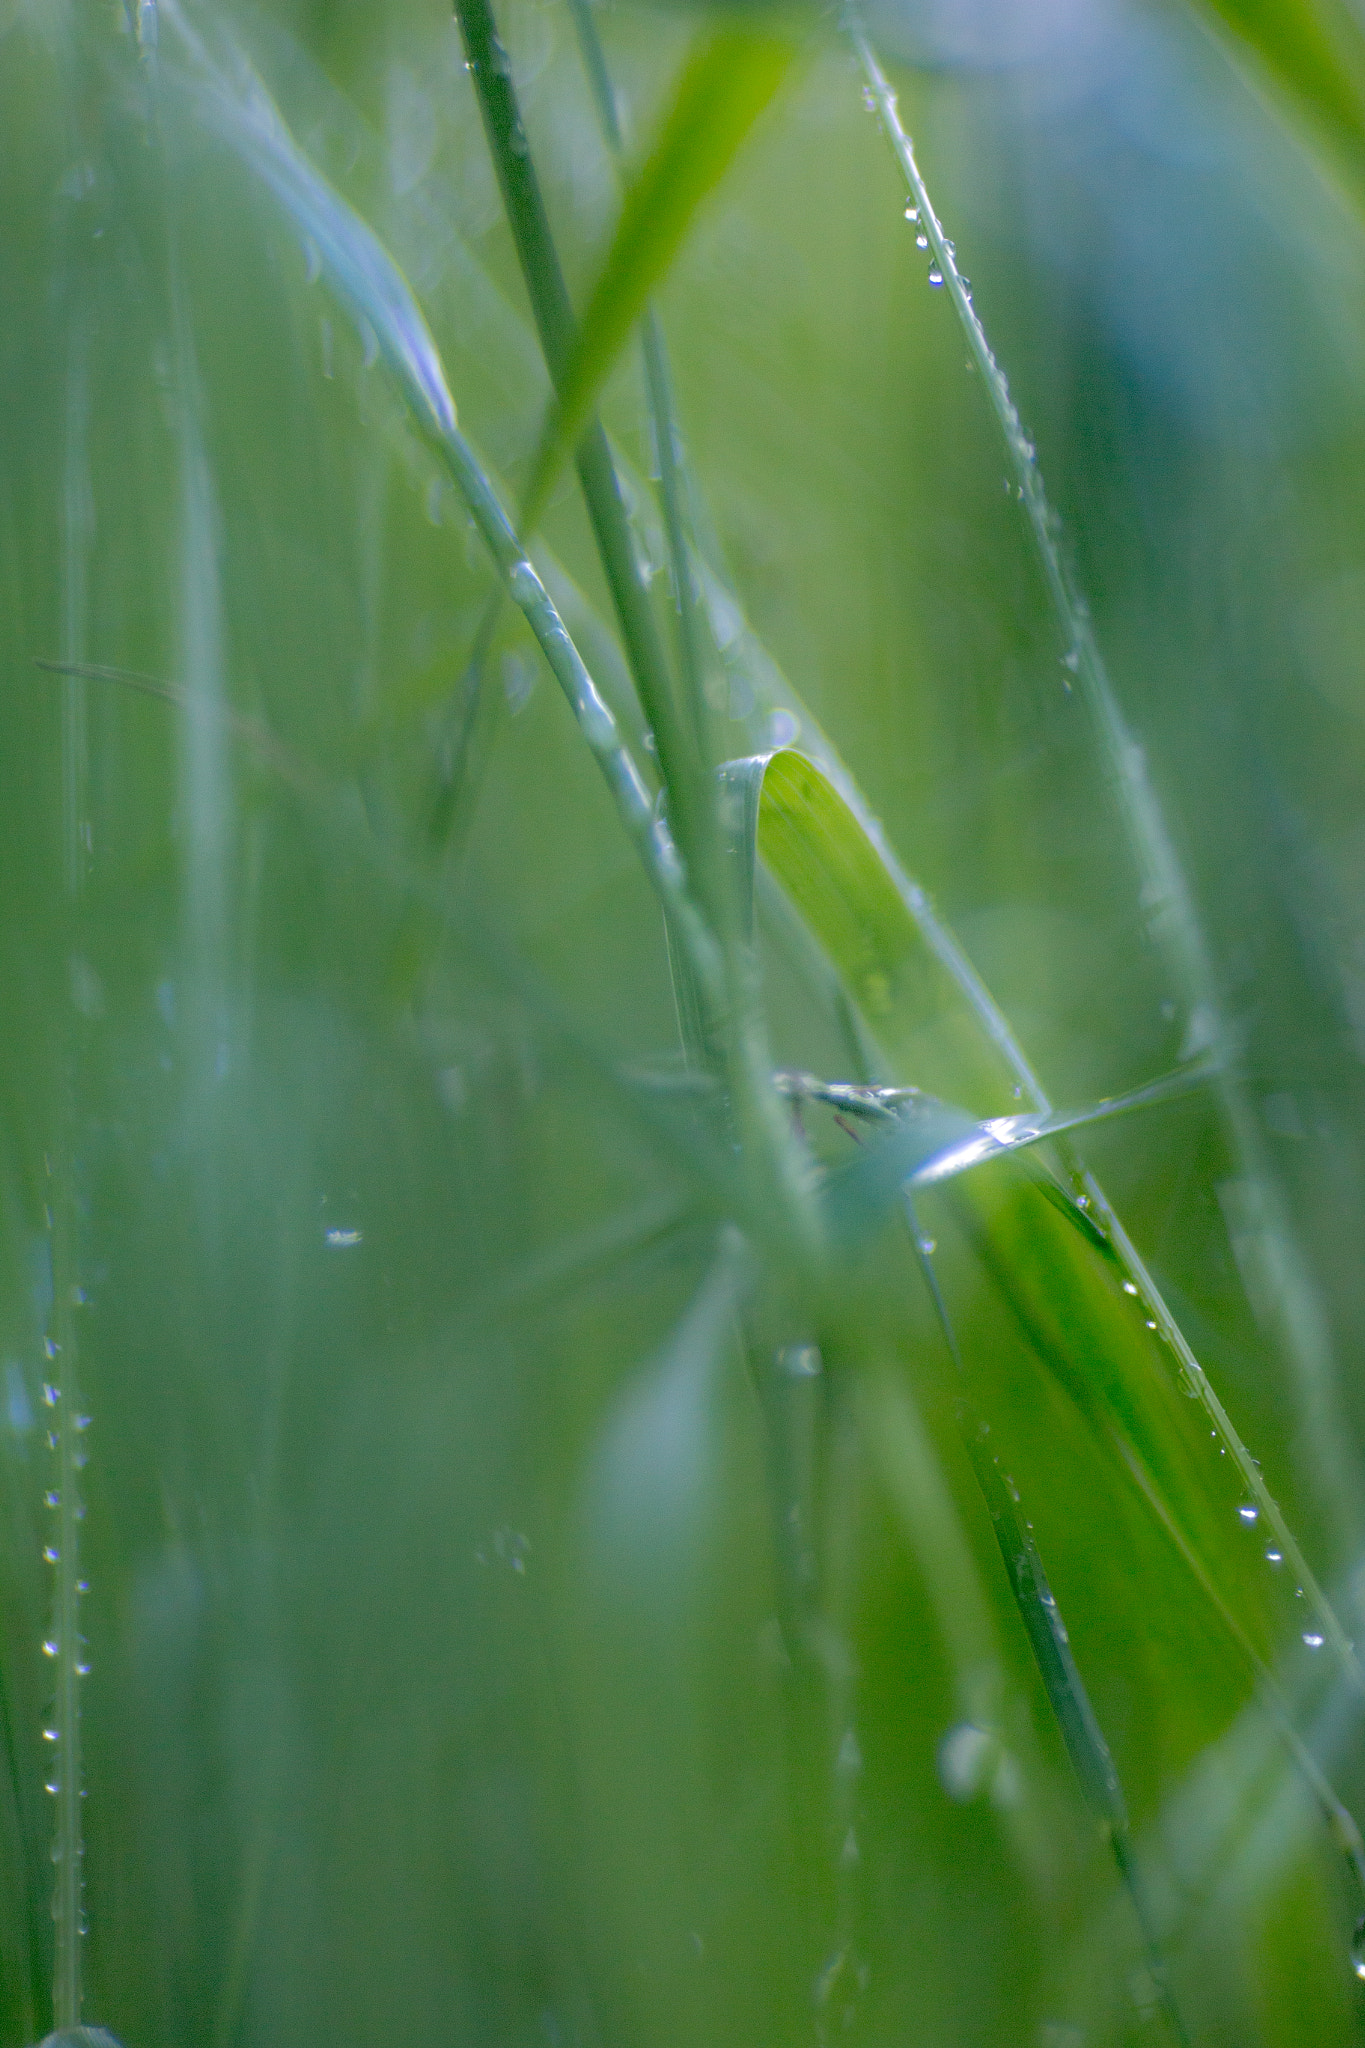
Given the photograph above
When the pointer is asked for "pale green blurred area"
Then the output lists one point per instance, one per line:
(438, 1690)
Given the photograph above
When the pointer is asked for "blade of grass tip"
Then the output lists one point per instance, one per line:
(491, 70)
(1049, 1641)
(1165, 893)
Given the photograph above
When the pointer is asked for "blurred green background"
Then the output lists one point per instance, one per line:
(437, 1690)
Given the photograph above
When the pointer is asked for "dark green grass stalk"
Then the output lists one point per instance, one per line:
(552, 311)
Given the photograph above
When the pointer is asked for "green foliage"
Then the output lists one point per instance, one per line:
(586, 1455)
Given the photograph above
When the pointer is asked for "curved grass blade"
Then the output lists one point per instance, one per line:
(727, 83)
(786, 811)
(1312, 54)
(935, 1143)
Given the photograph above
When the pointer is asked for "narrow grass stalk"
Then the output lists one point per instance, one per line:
(1165, 895)
(490, 68)
(728, 1009)
(599, 728)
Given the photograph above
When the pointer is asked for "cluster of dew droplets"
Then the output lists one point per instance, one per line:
(1248, 1512)
(64, 1645)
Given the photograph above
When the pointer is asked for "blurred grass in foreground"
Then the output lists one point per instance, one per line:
(552, 1567)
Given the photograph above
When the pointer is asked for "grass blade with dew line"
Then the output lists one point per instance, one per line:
(1050, 1642)
(371, 286)
(491, 70)
(790, 815)
(1301, 1330)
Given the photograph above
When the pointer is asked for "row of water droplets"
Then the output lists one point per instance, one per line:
(1164, 892)
(64, 1645)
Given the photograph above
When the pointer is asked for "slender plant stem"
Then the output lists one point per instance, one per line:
(491, 70)
(595, 721)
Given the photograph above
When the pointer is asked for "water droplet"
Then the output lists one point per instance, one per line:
(869, 99)
(53, 1787)
(49, 1348)
(912, 212)
(50, 1648)
(1358, 1950)
(51, 1735)
(523, 585)
(1130, 1287)
(51, 1395)
(801, 1361)
(1150, 1324)
(1249, 1513)
(850, 1760)
(921, 241)
(1312, 1639)
(1072, 659)
(82, 1422)
(1274, 1556)
(52, 1500)
(338, 1236)
(935, 277)
(52, 1556)
(928, 1245)
(81, 1670)
(966, 1757)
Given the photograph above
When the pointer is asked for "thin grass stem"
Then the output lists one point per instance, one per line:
(491, 70)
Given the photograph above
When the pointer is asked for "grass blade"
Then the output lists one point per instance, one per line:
(728, 82)
(491, 70)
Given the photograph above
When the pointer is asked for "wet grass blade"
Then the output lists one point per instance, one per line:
(509, 147)
(787, 812)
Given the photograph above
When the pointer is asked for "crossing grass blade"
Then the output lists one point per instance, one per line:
(728, 82)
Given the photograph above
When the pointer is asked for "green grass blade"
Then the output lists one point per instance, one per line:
(543, 275)
(832, 869)
(728, 82)
(1312, 54)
